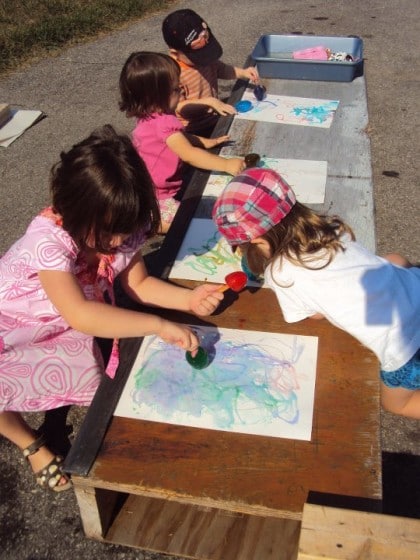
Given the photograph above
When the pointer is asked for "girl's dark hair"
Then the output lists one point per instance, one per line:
(101, 186)
(303, 236)
(147, 83)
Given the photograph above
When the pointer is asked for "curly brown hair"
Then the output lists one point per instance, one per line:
(302, 236)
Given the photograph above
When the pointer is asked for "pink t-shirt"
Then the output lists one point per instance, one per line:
(164, 166)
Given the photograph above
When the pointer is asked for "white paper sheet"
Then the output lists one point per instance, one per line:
(283, 109)
(256, 383)
(205, 255)
(307, 178)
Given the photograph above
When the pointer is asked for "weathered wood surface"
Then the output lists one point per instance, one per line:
(340, 534)
(244, 472)
(237, 484)
(348, 193)
(203, 533)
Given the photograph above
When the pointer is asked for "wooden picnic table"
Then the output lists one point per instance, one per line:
(214, 495)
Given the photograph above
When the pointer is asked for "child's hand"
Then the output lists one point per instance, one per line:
(205, 299)
(208, 143)
(250, 73)
(222, 108)
(212, 142)
(234, 166)
(179, 335)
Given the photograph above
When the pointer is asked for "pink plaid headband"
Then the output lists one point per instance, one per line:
(251, 204)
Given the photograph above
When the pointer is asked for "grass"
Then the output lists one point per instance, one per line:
(33, 28)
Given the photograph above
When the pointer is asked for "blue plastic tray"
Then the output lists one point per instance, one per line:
(273, 57)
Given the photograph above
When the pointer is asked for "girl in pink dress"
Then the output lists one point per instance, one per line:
(150, 91)
(56, 290)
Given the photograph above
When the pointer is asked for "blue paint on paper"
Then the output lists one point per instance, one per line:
(316, 114)
(245, 384)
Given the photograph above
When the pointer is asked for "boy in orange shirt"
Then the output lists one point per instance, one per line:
(192, 44)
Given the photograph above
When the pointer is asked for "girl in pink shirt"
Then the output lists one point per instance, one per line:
(150, 91)
(56, 290)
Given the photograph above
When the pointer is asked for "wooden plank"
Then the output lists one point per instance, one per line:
(202, 533)
(340, 534)
(239, 507)
(91, 520)
(268, 472)
(92, 431)
(96, 508)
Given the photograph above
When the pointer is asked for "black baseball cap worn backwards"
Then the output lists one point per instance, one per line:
(186, 31)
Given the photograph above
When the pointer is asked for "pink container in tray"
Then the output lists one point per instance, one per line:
(311, 53)
(309, 57)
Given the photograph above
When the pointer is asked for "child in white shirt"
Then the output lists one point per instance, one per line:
(318, 270)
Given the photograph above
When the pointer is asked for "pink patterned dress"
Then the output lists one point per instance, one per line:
(44, 363)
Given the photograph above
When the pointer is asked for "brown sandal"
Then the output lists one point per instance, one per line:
(50, 476)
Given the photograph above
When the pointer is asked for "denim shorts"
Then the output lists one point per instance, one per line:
(407, 376)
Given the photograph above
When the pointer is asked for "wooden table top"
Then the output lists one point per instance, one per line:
(253, 473)
(243, 472)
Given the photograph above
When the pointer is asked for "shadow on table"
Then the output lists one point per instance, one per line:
(400, 487)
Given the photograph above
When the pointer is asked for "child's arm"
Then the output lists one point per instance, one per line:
(227, 72)
(198, 157)
(250, 73)
(104, 320)
(149, 290)
(317, 316)
(206, 143)
(213, 102)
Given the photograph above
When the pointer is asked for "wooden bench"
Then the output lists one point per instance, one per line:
(215, 495)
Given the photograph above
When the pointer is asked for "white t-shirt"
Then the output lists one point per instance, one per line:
(363, 294)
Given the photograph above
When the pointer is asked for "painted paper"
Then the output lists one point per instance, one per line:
(283, 109)
(306, 177)
(256, 383)
(205, 255)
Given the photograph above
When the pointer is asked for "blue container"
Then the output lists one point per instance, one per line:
(273, 55)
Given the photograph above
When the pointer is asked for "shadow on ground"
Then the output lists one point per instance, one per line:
(401, 490)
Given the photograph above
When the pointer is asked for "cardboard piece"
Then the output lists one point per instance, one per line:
(19, 121)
